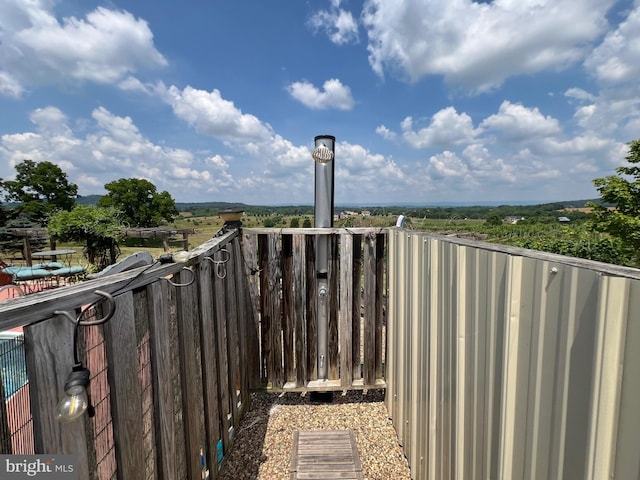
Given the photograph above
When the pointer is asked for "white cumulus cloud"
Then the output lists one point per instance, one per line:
(333, 95)
(104, 47)
(338, 24)
(478, 45)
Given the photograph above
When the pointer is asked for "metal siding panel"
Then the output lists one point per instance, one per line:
(612, 313)
(511, 366)
(434, 351)
(627, 455)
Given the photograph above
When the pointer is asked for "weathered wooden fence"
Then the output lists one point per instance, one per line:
(281, 266)
(169, 381)
(506, 363)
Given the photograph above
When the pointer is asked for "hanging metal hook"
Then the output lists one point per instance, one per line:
(221, 269)
(87, 323)
(186, 284)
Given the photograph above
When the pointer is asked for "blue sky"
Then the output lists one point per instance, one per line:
(429, 100)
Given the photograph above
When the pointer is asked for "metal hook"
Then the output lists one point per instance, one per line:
(191, 280)
(221, 270)
(87, 323)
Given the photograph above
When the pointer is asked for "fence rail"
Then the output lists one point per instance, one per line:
(508, 363)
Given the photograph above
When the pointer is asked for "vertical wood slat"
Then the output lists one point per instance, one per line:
(288, 313)
(49, 358)
(250, 281)
(242, 320)
(209, 365)
(299, 315)
(334, 274)
(265, 305)
(232, 330)
(346, 311)
(163, 402)
(125, 391)
(379, 302)
(370, 310)
(223, 360)
(312, 328)
(190, 373)
(356, 307)
(274, 366)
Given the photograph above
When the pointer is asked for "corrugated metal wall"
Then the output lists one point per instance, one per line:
(511, 364)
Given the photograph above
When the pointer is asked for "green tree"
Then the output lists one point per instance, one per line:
(41, 189)
(97, 227)
(494, 219)
(295, 223)
(306, 223)
(623, 192)
(140, 203)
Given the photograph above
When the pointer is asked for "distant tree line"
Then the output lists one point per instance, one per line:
(41, 196)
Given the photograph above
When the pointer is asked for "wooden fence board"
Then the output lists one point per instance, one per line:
(299, 288)
(190, 374)
(162, 380)
(251, 322)
(379, 300)
(232, 331)
(288, 313)
(332, 332)
(223, 360)
(310, 300)
(244, 319)
(346, 310)
(49, 359)
(125, 391)
(369, 310)
(356, 307)
(209, 364)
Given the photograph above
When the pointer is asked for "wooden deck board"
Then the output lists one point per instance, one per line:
(325, 454)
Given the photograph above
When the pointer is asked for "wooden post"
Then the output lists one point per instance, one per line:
(26, 246)
(185, 241)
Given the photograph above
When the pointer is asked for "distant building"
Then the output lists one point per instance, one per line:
(365, 213)
(512, 219)
(564, 220)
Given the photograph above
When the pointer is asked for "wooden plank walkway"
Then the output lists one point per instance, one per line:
(325, 454)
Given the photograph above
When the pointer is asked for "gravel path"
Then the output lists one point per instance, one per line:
(262, 446)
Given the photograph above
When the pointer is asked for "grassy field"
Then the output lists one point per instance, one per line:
(572, 239)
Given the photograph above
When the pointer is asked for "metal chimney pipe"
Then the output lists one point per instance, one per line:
(323, 155)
